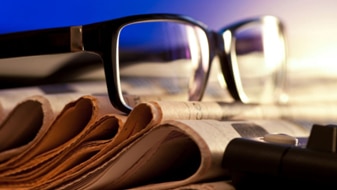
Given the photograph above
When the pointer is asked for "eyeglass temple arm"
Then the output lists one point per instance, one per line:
(41, 42)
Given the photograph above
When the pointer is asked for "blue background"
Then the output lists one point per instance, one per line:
(19, 15)
(26, 15)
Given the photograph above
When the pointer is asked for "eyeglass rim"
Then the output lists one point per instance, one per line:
(111, 62)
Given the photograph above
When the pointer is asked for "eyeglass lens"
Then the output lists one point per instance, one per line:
(259, 56)
(161, 59)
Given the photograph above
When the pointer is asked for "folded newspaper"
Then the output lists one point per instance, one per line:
(76, 140)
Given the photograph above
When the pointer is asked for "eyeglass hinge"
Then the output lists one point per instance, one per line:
(76, 39)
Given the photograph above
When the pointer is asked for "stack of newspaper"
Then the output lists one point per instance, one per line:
(68, 136)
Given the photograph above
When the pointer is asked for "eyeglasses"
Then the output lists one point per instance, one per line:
(170, 55)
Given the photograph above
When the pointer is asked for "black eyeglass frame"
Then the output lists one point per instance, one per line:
(102, 38)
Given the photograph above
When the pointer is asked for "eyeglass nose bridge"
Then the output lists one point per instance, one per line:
(201, 74)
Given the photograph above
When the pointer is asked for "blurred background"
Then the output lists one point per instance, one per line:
(311, 25)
